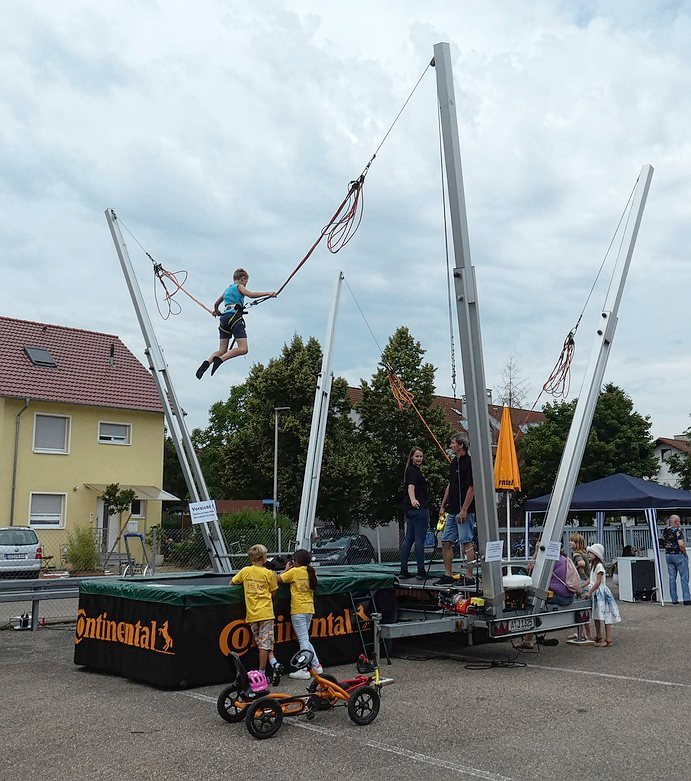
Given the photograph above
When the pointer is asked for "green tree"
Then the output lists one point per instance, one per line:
(173, 478)
(680, 465)
(619, 441)
(390, 433)
(237, 448)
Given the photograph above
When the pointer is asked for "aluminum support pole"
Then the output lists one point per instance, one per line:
(572, 457)
(173, 412)
(315, 448)
(469, 330)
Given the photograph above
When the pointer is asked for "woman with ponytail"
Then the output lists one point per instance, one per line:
(303, 582)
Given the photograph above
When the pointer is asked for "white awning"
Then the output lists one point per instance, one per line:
(143, 492)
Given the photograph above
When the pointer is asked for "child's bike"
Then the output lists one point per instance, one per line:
(248, 698)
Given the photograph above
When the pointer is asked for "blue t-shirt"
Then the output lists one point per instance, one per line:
(232, 296)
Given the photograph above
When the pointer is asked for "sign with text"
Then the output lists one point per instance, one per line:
(203, 512)
(552, 550)
(494, 550)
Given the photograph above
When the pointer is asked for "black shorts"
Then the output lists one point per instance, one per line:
(230, 325)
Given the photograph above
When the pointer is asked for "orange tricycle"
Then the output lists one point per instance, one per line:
(249, 698)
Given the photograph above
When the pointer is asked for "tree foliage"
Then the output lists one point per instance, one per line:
(390, 433)
(237, 448)
(619, 441)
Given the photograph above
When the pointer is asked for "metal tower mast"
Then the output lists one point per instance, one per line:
(174, 415)
(469, 329)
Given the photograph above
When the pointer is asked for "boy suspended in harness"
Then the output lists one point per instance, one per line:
(231, 324)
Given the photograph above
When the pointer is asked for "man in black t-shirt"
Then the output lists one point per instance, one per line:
(459, 503)
(677, 562)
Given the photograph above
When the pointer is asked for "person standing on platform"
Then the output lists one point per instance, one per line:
(259, 584)
(303, 582)
(416, 514)
(459, 503)
(677, 562)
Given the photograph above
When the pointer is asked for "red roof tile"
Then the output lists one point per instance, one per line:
(520, 418)
(682, 445)
(84, 374)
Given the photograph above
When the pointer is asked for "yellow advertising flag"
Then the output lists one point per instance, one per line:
(506, 474)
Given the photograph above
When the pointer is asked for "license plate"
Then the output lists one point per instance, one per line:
(15, 555)
(521, 624)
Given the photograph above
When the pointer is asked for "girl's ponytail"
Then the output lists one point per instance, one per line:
(303, 558)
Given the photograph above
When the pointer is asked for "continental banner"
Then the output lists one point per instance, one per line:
(178, 646)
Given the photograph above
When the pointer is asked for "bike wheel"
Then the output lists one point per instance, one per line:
(363, 705)
(264, 718)
(320, 702)
(227, 705)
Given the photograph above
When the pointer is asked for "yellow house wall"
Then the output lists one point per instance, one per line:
(88, 461)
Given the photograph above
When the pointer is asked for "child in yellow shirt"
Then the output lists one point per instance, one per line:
(303, 581)
(259, 585)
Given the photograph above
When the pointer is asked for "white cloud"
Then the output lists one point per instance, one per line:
(226, 133)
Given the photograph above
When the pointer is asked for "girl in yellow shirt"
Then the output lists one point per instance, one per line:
(303, 581)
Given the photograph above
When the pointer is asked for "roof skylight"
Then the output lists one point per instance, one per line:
(39, 356)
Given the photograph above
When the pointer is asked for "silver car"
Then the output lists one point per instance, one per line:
(20, 552)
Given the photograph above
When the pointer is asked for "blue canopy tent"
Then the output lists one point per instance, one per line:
(621, 493)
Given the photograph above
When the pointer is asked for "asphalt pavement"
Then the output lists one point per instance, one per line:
(567, 713)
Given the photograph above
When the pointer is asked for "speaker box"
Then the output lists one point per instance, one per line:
(643, 579)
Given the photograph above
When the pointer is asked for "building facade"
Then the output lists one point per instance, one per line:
(78, 412)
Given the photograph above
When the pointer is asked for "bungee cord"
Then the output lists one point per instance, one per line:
(558, 383)
(402, 396)
(338, 231)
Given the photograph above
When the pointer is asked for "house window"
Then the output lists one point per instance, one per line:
(51, 434)
(138, 508)
(664, 452)
(39, 356)
(47, 510)
(114, 433)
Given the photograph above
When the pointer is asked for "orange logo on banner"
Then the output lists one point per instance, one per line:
(138, 635)
(237, 636)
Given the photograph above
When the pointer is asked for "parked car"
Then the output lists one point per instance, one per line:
(20, 552)
(342, 548)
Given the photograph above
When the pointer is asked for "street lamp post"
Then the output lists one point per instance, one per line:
(276, 411)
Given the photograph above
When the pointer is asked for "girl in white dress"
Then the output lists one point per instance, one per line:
(604, 607)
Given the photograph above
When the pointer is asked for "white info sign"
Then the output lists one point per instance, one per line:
(203, 512)
(494, 550)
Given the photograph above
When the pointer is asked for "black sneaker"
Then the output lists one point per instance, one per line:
(687, 603)
(200, 371)
(467, 582)
(404, 576)
(422, 575)
(446, 580)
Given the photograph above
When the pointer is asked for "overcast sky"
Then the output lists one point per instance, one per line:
(225, 134)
